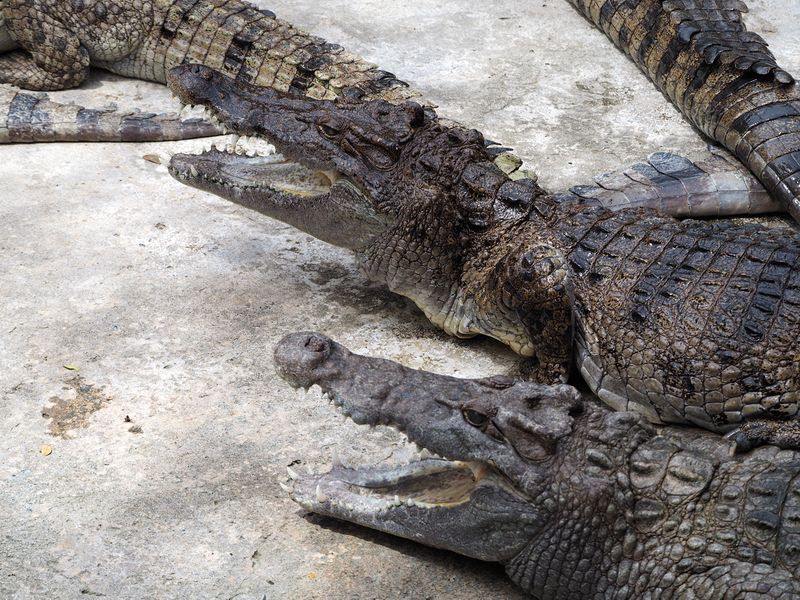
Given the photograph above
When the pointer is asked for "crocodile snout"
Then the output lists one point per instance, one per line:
(301, 358)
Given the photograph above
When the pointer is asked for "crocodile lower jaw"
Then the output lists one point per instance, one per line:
(426, 484)
(236, 171)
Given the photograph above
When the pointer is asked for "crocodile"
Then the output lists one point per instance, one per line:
(575, 500)
(698, 52)
(51, 45)
(684, 321)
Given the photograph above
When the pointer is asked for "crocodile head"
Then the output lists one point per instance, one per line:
(420, 201)
(522, 464)
(332, 157)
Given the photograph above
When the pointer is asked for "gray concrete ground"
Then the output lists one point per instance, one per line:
(138, 319)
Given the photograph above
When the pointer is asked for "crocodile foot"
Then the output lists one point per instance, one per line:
(784, 434)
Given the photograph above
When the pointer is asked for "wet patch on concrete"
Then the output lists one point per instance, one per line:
(74, 410)
(324, 272)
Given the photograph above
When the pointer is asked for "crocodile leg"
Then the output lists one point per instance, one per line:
(758, 432)
(718, 186)
(53, 57)
(534, 283)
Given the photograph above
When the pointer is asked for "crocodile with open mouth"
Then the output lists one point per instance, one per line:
(698, 52)
(576, 501)
(683, 321)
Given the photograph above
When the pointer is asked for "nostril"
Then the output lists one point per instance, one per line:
(314, 343)
(304, 358)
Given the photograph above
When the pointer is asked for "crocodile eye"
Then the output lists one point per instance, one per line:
(328, 131)
(475, 418)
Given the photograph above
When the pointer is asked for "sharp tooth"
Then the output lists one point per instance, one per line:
(286, 488)
(292, 472)
(233, 139)
(193, 170)
(319, 495)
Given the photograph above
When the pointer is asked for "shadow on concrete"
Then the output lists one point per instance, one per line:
(492, 573)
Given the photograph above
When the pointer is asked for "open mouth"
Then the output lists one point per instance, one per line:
(427, 482)
(236, 170)
(246, 163)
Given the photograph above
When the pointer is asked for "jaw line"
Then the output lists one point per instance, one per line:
(324, 204)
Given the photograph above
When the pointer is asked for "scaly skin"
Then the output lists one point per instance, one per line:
(576, 501)
(683, 321)
(698, 52)
(50, 45)
(722, 78)
(716, 186)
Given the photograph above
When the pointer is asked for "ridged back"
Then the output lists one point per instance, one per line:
(252, 45)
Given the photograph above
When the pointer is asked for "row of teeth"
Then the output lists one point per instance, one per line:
(413, 453)
(321, 497)
(242, 145)
(236, 144)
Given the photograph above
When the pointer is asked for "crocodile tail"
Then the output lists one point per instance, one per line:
(717, 186)
(32, 117)
(251, 44)
(722, 77)
(762, 128)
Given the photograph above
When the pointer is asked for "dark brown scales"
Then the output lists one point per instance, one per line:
(59, 41)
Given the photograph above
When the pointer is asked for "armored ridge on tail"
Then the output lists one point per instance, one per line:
(51, 46)
(723, 78)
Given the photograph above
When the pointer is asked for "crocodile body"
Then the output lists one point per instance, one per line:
(684, 321)
(50, 45)
(576, 501)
